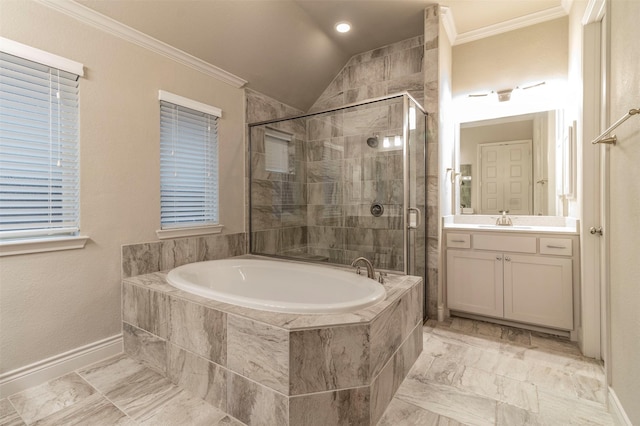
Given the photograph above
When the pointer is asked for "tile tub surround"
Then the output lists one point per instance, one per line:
(145, 258)
(276, 368)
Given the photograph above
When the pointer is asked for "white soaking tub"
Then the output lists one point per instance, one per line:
(278, 286)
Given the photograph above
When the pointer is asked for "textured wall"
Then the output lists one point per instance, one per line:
(379, 72)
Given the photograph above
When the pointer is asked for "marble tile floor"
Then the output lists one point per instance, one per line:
(477, 373)
(116, 391)
(470, 373)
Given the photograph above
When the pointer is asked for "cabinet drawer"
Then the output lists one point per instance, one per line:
(504, 243)
(556, 246)
(459, 240)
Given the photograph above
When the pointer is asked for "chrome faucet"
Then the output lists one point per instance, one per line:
(371, 273)
(504, 220)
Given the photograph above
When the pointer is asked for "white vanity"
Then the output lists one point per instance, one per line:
(524, 274)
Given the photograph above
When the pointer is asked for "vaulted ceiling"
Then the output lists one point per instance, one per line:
(289, 50)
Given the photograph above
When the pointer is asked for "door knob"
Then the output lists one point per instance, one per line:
(595, 231)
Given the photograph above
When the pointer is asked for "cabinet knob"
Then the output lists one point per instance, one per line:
(498, 257)
(507, 258)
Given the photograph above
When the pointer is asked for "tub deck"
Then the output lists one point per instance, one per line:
(277, 368)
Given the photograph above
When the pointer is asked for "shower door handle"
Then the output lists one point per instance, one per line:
(418, 221)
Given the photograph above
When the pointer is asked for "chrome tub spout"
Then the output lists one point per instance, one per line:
(371, 273)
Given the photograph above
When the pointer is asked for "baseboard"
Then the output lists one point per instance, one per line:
(42, 371)
(616, 410)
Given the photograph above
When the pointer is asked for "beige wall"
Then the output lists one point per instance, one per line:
(624, 226)
(54, 302)
(538, 52)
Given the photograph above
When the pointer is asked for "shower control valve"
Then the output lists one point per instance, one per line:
(377, 209)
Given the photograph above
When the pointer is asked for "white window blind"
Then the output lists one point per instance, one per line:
(188, 165)
(276, 149)
(39, 156)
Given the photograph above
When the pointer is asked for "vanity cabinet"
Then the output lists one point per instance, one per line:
(475, 282)
(519, 278)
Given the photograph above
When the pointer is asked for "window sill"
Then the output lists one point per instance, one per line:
(191, 231)
(40, 245)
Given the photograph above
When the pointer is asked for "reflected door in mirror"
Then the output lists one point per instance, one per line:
(505, 184)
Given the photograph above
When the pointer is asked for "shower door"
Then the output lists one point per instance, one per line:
(336, 185)
(415, 190)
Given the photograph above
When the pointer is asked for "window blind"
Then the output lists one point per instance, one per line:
(39, 155)
(276, 147)
(188, 167)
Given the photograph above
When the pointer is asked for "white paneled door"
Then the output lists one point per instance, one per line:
(505, 177)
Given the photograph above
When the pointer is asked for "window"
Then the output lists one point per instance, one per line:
(39, 146)
(276, 149)
(188, 165)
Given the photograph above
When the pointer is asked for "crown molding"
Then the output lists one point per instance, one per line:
(448, 23)
(594, 12)
(111, 26)
(512, 24)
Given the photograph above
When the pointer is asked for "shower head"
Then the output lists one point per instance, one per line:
(373, 141)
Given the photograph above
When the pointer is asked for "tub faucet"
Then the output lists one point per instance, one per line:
(371, 273)
(504, 220)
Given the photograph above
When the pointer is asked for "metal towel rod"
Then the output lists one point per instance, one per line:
(613, 139)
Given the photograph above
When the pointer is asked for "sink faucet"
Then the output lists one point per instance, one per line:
(371, 273)
(504, 220)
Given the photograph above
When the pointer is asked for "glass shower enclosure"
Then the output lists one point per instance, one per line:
(335, 185)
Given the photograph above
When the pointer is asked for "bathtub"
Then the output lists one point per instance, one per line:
(278, 286)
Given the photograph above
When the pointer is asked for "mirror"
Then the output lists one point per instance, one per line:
(511, 163)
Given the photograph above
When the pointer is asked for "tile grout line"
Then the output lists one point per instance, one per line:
(101, 393)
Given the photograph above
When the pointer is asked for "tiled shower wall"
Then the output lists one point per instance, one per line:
(410, 65)
(432, 106)
(319, 210)
(345, 176)
(278, 200)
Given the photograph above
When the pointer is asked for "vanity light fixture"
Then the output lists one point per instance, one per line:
(343, 27)
(504, 95)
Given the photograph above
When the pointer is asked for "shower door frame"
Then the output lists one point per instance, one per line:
(406, 97)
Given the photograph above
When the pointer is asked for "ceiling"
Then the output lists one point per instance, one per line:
(289, 50)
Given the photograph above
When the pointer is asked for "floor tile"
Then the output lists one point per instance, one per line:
(400, 413)
(589, 388)
(444, 371)
(38, 402)
(474, 372)
(107, 375)
(8, 415)
(502, 389)
(187, 410)
(94, 410)
(449, 402)
(143, 393)
(556, 408)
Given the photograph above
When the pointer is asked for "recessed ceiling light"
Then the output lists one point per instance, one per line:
(343, 27)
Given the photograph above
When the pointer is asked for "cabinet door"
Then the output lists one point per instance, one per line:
(539, 290)
(474, 282)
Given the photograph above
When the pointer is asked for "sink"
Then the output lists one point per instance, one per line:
(505, 227)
